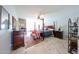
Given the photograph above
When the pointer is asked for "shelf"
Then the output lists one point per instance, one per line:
(73, 26)
(73, 33)
(72, 37)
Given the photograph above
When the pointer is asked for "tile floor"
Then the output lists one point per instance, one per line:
(50, 45)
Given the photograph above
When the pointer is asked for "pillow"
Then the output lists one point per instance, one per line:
(45, 28)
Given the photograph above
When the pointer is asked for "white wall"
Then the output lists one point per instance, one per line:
(5, 41)
(5, 35)
(61, 17)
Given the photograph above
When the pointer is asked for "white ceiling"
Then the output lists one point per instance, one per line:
(24, 11)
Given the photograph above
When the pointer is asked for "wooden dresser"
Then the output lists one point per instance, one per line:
(18, 39)
(58, 34)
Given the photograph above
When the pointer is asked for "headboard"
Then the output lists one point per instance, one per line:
(49, 27)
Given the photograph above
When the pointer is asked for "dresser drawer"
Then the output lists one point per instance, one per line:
(18, 38)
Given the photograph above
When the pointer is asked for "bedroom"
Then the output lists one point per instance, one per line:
(49, 20)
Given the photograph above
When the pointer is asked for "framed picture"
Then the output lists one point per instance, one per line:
(5, 19)
(14, 23)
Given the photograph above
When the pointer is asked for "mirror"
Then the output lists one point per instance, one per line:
(4, 19)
